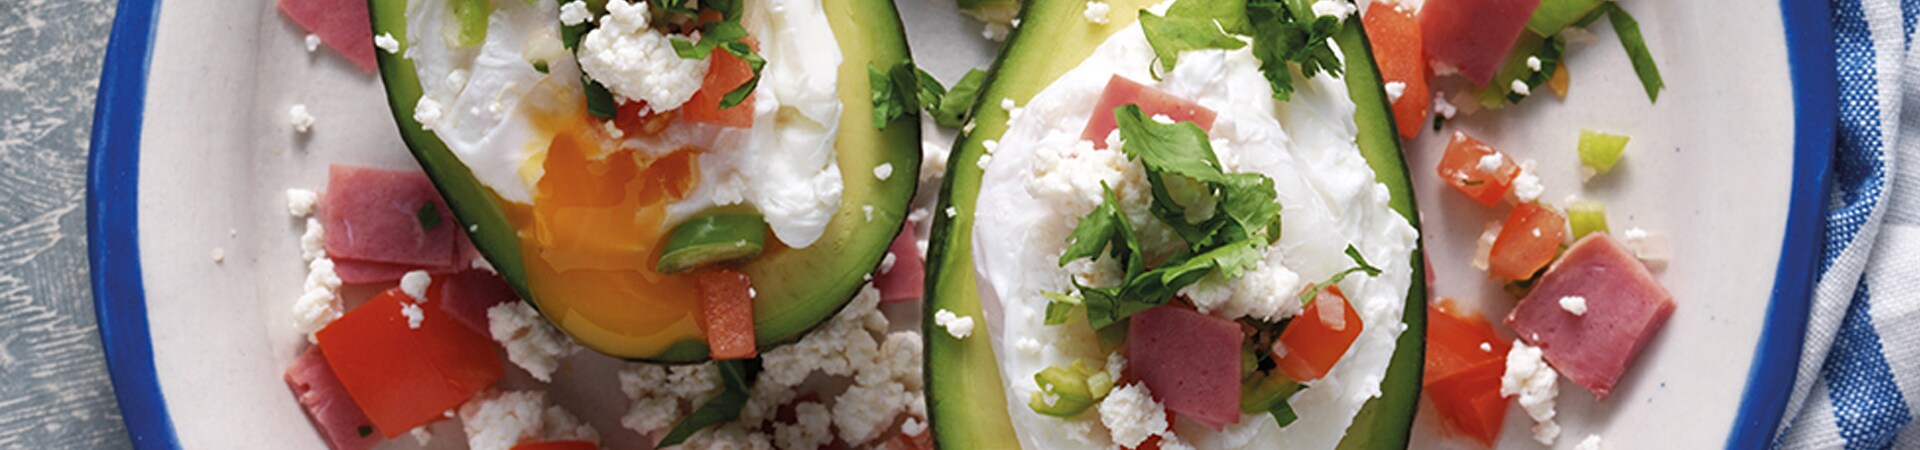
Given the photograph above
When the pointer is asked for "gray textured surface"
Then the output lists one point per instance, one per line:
(54, 391)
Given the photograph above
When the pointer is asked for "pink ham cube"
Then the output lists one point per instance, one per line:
(905, 279)
(1190, 361)
(466, 296)
(375, 215)
(1473, 36)
(1153, 102)
(340, 421)
(1624, 306)
(342, 24)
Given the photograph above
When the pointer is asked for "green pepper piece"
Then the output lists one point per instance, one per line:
(1071, 395)
(1260, 395)
(1600, 151)
(713, 239)
(1587, 217)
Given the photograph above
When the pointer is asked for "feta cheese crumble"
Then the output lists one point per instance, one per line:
(1592, 442)
(427, 113)
(502, 420)
(300, 202)
(1096, 12)
(386, 42)
(1521, 87)
(414, 315)
(1337, 9)
(313, 43)
(996, 32)
(957, 325)
(1533, 63)
(1395, 89)
(1529, 377)
(415, 283)
(1526, 185)
(883, 171)
(531, 343)
(299, 118)
(1491, 163)
(575, 13)
(1445, 109)
(636, 62)
(1574, 304)
(1132, 415)
(219, 254)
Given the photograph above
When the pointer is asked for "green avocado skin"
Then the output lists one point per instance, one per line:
(965, 401)
(798, 289)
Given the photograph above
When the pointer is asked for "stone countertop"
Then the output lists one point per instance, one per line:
(54, 390)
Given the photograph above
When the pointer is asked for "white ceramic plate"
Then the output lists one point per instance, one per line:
(192, 152)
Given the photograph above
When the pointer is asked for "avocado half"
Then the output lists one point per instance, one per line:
(797, 289)
(965, 401)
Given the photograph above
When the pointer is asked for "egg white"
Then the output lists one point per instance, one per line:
(1329, 199)
(492, 99)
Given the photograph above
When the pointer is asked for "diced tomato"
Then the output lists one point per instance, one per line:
(1529, 239)
(1153, 102)
(1469, 400)
(557, 445)
(1454, 340)
(1310, 346)
(724, 73)
(1473, 35)
(404, 377)
(1395, 37)
(635, 119)
(726, 312)
(1461, 168)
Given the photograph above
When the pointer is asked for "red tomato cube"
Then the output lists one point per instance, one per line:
(1395, 37)
(1310, 346)
(726, 312)
(1465, 167)
(1528, 241)
(724, 73)
(404, 376)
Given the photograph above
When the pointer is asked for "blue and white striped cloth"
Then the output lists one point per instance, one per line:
(1859, 375)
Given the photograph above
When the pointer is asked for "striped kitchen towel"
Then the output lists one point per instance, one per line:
(1859, 375)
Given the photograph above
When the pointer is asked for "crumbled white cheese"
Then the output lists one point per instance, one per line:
(298, 116)
(313, 43)
(1592, 442)
(1520, 87)
(811, 428)
(1028, 345)
(1533, 63)
(1486, 346)
(501, 420)
(319, 304)
(1491, 163)
(575, 13)
(887, 262)
(957, 326)
(1483, 249)
(1337, 9)
(984, 159)
(868, 210)
(996, 32)
(300, 202)
(1442, 107)
(421, 435)
(415, 283)
(1131, 414)
(386, 42)
(636, 62)
(1096, 12)
(1526, 185)
(912, 427)
(933, 161)
(531, 343)
(481, 263)
(951, 212)
(1116, 364)
(218, 254)
(1395, 89)
(427, 113)
(1574, 304)
(1529, 377)
(883, 171)
(413, 313)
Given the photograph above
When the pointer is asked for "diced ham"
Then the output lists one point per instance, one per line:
(353, 271)
(906, 278)
(1153, 102)
(374, 215)
(1473, 36)
(1191, 361)
(1624, 307)
(332, 411)
(342, 24)
(466, 295)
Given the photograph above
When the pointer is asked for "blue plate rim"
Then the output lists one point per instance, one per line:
(120, 299)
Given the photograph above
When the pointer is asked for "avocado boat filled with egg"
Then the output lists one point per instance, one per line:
(655, 176)
(1183, 224)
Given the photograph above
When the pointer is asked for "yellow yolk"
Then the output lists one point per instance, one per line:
(591, 238)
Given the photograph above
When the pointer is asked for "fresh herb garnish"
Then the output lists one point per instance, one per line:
(1629, 31)
(905, 88)
(730, 36)
(1061, 308)
(1173, 34)
(365, 430)
(893, 93)
(429, 216)
(1307, 296)
(957, 105)
(1283, 37)
(736, 381)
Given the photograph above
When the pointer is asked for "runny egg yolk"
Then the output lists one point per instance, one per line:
(592, 235)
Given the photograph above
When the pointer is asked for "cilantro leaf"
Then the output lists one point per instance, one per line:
(736, 381)
(1284, 37)
(891, 97)
(1629, 31)
(957, 106)
(730, 36)
(1244, 203)
(1231, 14)
(1307, 296)
(428, 215)
(1171, 35)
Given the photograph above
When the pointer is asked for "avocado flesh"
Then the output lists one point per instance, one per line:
(797, 289)
(965, 400)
